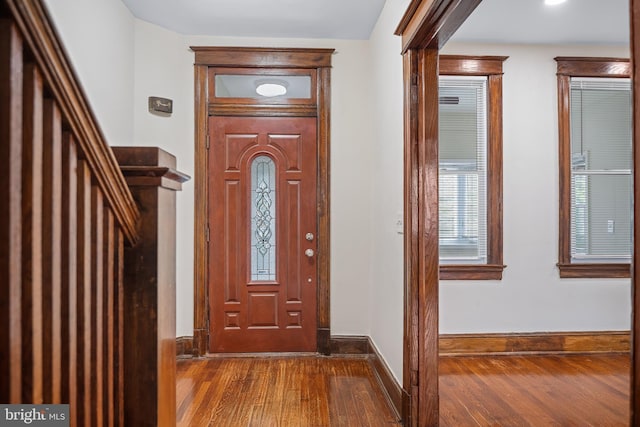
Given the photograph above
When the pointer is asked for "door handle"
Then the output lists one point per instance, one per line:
(309, 253)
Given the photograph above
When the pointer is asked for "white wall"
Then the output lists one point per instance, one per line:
(387, 265)
(121, 61)
(531, 297)
(98, 36)
(164, 67)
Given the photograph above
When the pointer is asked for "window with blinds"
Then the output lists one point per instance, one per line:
(463, 169)
(601, 186)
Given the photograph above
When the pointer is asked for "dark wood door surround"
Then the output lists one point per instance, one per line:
(315, 63)
(425, 28)
(254, 312)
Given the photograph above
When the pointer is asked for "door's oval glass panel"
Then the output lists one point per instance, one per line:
(263, 219)
(263, 87)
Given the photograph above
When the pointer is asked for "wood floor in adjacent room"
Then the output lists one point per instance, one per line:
(577, 390)
(535, 391)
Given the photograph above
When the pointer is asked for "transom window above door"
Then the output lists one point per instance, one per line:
(262, 86)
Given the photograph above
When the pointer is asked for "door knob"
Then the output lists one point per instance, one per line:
(309, 252)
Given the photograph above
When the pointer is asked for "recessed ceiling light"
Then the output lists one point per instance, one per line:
(271, 88)
(553, 2)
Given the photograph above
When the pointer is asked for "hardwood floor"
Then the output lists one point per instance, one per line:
(506, 391)
(562, 391)
(279, 392)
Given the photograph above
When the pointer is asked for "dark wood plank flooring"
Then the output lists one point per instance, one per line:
(279, 392)
(576, 390)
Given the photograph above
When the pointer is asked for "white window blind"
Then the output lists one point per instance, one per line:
(463, 170)
(601, 209)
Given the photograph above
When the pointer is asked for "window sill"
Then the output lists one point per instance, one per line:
(595, 271)
(471, 272)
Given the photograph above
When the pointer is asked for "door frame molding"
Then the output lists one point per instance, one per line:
(426, 26)
(207, 57)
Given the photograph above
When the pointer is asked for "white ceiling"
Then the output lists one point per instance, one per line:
(516, 21)
(530, 21)
(336, 19)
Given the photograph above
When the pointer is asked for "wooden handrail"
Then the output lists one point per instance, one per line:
(66, 218)
(41, 38)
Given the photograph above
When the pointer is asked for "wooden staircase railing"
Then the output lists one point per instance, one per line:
(66, 216)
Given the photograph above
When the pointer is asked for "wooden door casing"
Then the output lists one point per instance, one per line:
(259, 58)
(262, 316)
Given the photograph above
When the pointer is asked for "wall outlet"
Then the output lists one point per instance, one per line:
(610, 226)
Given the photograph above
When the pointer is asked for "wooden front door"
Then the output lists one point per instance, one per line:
(263, 222)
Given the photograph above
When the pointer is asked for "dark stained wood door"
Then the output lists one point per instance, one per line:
(262, 253)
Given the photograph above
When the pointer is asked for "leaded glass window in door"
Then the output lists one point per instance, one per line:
(263, 219)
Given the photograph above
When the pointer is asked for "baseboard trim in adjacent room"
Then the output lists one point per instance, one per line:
(184, 346)
(348, 345)
(535, 343)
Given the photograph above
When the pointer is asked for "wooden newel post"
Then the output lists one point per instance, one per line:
(150, 288)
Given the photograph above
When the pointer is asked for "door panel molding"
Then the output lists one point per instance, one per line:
(275, 311)
(260, 58)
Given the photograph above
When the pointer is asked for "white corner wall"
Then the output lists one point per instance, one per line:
(164, 67)
(387, 258)
(98, 37)
(531, 297)
(125, 60)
